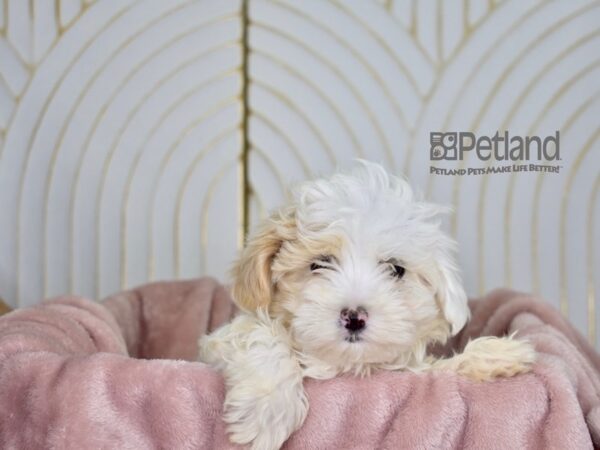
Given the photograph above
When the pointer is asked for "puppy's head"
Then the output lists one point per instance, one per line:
(358, 271)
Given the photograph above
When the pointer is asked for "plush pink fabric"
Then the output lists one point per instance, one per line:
(77, 374)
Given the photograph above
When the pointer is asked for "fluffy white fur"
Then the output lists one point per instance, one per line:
(335, 247)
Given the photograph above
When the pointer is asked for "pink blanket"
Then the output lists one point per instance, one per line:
(77, 374)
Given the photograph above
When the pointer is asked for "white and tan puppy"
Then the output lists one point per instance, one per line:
(354, 275)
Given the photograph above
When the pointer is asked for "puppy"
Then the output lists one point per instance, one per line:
(354, 275)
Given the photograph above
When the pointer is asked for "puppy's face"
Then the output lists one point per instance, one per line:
(357, 271)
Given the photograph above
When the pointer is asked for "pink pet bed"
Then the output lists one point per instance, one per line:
(76, 374)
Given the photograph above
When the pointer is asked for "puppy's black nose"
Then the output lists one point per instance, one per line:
(354, 320)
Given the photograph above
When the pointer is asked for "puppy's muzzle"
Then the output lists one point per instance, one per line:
(354, 320)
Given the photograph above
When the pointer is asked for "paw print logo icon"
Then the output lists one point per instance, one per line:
(443, 146)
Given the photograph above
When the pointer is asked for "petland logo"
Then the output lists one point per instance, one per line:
(499, 148)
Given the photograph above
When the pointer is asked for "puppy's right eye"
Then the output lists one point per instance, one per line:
(323, 262)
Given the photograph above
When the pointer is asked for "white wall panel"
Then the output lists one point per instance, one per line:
(122, 143)
(373, 79)
(109, 142)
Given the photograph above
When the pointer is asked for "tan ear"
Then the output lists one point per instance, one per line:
(252, 283)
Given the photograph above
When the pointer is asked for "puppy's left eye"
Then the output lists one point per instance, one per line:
(398, 271)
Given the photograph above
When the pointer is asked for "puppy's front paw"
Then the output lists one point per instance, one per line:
(487, 358)
(265, 421)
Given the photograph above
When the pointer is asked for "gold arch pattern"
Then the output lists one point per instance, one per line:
(116, 184)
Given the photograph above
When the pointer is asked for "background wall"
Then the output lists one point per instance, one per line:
(139, 139)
